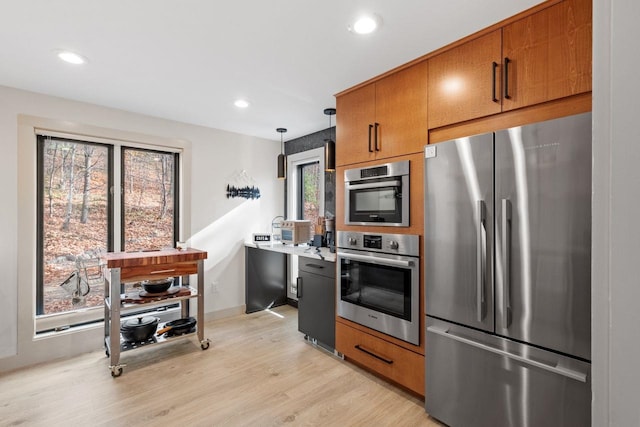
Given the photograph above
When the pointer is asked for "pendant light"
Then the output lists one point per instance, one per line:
(329, 145)
(282, 165)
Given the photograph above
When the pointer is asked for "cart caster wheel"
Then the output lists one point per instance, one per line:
(116, 371)
(205, 344)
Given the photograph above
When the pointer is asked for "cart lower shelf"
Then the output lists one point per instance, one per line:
(116, 370)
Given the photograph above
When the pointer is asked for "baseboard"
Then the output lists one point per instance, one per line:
(224, 313)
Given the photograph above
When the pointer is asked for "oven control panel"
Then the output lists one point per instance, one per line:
(403, 244)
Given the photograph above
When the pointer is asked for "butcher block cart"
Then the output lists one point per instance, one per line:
(132, 267)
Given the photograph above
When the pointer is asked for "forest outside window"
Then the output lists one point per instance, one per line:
(77, 218)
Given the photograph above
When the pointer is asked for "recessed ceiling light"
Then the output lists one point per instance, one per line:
(241, 103)
(71, 57)
(365, 24)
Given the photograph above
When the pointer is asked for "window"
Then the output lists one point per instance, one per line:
(305, 195)
(309, 192)
(76, 217)
(149, 183)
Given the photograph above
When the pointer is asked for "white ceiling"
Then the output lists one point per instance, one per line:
(188, 60)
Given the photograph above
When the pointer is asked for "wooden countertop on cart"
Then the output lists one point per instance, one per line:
(142, 258)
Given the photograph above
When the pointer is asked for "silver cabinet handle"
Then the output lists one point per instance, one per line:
(376, 260)
(569, 373)
(481, 259)
(395, 183)
(506, 260)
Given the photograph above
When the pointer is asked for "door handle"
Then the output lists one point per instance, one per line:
(569, 373)
(494, 66)
(298, 287)
(506, 260)
(507, 61)
(370, 129)
(481, 258)
(375, 136)
(372, 354)
(314, 265)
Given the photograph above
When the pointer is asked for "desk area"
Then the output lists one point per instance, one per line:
(300, 250)
(266, 285)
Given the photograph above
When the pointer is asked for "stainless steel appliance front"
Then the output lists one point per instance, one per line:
(508, 252)
(378, 283)
(377, 195)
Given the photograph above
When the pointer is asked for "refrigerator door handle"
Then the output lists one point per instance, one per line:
(506, 260)
(481, 259)
(569, 373)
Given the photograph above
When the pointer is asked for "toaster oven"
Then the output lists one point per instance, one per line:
(295, 231)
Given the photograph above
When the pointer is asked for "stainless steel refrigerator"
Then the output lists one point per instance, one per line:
(508, 276)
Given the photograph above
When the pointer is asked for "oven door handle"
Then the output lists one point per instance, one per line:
(376, 260)
(374, 185)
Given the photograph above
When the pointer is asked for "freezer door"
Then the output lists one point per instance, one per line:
(477, 379)
(543, 234)
(458, 214)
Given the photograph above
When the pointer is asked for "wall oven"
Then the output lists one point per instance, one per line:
(377, 195)
(378, 282)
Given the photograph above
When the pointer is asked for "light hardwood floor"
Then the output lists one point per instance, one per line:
(259, 371)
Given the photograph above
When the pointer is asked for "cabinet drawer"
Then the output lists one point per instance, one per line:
(317, 266)
(395, 363)
(158, 271)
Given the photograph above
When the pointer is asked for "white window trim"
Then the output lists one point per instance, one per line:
(293, 161)
(28, 129)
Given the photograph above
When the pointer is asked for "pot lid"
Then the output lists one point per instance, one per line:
(139, 322)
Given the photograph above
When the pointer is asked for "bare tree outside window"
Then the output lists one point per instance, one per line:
(73, 195)
(310, 198)
(75, 179)
(148, 200)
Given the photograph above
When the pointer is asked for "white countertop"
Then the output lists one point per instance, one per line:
(300, 250)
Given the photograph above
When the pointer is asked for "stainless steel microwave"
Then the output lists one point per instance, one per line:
(377, 195)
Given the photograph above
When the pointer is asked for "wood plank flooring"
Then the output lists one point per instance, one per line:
(259, 371)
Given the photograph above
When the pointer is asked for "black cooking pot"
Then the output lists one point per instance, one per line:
(178, 327)
(157, 286)
(139, 329)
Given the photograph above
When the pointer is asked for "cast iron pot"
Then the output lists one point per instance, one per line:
(178, 327)
(139, 329)
(157, 286)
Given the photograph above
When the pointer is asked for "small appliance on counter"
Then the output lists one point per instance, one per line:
(295, 232)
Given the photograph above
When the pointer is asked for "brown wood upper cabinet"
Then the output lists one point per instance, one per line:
(539, 58)
(386, 118)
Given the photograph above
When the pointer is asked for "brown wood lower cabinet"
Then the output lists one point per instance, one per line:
(395, 363)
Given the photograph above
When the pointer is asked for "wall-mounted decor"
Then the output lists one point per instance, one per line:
(242, 185)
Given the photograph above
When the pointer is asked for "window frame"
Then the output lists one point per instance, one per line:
(40, 141)
(294, 180)
(31, 327)
(293, 188)
(176, 195)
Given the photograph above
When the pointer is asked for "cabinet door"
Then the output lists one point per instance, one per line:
(464, 83)
(355, 116)
(389, 360)
(317, 307)
(401, 112)
(549, 54)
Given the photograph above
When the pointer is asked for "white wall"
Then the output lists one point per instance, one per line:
(218, 225)
(616, 214)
